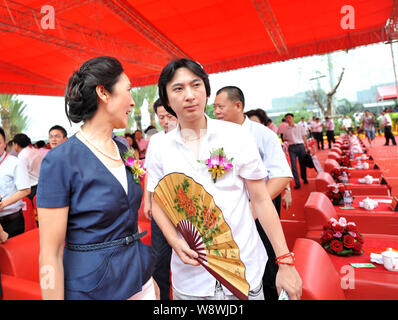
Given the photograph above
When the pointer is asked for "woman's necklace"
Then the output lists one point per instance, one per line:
(99, 149)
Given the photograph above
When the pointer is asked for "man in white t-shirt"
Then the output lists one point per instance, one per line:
(347, 124)
(184, 89)
(14, 185)
(161, 250)
(228, 106)
(31, 158)
(386, 123)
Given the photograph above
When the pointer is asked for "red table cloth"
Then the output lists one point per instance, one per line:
(375, 283)
(381, 220)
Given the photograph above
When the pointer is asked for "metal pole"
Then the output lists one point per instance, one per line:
(393, 64)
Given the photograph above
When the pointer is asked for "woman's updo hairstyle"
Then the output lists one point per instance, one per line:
(81, 100)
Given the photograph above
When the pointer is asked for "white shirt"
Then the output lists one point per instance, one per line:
(270, 149)
(13, 177)
(152, 145)
(32, 159)
(347, 123)
(120, 175)
(304, 124)
(229, 193)
(386, 120)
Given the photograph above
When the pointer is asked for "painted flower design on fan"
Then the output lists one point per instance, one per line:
(202, 217)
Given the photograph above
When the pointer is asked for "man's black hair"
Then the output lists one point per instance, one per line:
(22, 140)
(57, 127)
(234, 94)
(168, 73)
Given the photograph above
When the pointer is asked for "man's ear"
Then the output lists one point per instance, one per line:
(239, 105)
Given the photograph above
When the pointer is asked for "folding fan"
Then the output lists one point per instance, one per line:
(197, 218)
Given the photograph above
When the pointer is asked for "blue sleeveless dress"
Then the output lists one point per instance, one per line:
(103, 256)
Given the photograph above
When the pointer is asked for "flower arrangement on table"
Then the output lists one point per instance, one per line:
(345, 146)
(338, 172)
(342, 238)
(134, 165)
(344, 161)
(335, 192)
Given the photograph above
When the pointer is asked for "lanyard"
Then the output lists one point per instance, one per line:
(4, 158)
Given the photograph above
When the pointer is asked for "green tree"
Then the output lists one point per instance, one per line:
(324, 100)
(344, 106)
(209, 110)
(12, 115)
(151, 94)
(138, 95)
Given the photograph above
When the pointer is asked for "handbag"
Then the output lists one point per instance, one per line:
(308, 161)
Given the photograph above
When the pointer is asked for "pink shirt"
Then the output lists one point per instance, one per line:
(273, 127)
(317, 127)
(142, 146)
(294, 135)
(329, 125)
(282, 127)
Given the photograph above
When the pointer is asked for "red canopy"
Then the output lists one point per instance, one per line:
(145, 34)
(386, 93)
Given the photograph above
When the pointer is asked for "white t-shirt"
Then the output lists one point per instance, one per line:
(229, 194)
(386, 120)
(347, 123)
(270, 149)
(13, 177)
(32, 159)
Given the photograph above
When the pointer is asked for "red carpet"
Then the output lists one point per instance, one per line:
(293, 220)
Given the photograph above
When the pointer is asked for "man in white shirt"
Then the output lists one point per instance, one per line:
(31, 158)
(14, 185)
(304, 123)
(228, 106)
(386, 123)
(161, 250)
(329, 125)
(297, 139)
(347, 124)
(184, 89)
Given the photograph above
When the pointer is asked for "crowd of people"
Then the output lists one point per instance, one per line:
(88, 200)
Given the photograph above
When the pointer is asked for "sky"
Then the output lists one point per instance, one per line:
(364, 67)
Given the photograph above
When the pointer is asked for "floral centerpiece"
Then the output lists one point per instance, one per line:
(342, 238)
(344, 161)
(338, 172)
(335, 192)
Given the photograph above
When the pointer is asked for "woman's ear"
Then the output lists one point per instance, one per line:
(102, 93)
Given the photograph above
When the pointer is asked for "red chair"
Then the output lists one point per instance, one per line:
(337, 150)
(330, 164)
(318, 274)
(19, 267)
(323, 179)
(333, 155)
(29, 215)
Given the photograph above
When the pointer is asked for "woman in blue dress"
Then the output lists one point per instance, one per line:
(88, 200)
